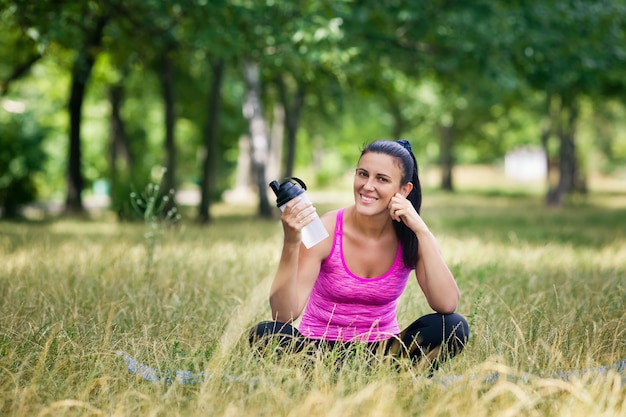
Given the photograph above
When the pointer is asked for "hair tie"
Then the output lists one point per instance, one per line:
(405, 144)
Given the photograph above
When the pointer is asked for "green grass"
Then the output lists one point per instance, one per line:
(543, 290)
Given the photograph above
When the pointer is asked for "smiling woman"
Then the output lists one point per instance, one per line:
(346, 289)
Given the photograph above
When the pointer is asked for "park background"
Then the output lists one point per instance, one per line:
(97, 96)
(137, 140)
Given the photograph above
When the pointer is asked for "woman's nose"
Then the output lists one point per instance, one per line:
(369, 184)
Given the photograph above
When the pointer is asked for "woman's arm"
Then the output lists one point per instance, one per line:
(293, 282)
(432, 272)
(434, 276)
(298, 267)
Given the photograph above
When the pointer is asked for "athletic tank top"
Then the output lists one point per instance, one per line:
(345, 307)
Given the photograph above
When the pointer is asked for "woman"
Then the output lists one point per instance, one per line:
(349, 284)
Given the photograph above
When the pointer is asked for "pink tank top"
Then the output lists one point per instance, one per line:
(346, 307)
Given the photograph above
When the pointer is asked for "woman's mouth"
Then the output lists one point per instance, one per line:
(368, 199)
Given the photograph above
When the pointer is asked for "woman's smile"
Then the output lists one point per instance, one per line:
(368, 199)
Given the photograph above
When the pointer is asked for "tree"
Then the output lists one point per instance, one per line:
(296, 47)
(209, 159)
(428, 44)
(153, 25)
(81, 70)
(79, 27)
(167, 78)
(253, 111)
(211, 32)
(292, 104)
(119, 141)
(568, 50)
(21, 158)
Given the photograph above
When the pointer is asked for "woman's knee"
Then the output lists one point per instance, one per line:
(270, 328)
(282, 333)
(451, 330)
(260, 330)
(457, 326)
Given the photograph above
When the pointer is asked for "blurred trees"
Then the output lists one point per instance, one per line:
(181, 83)
(569, 51)
(21, 157)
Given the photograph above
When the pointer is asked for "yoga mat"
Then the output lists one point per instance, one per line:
(184, 377)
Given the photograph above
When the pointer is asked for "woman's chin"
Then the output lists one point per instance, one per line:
(368, 209)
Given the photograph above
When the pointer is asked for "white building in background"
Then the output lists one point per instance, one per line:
(526, 164)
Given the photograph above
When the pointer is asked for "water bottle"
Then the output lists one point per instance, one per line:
(293, 187)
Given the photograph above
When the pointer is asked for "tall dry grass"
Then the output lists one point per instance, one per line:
(542, 289)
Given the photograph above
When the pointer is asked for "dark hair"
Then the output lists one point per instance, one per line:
(401, 150)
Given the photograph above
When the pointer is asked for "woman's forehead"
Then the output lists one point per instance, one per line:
(380, 163)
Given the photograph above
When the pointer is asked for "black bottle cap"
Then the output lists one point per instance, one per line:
(287, 190)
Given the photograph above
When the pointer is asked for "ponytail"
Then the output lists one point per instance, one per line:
(415, 196)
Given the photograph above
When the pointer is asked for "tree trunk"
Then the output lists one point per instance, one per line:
(580, 179)
(568, 167)
(446, 159)
(253, 111)
(277, 133)
(293, 111)
(81, 72)
(209, 162)
(167, 85)
(546, 133)
(243, 174)
(119, 147)
(399, 122)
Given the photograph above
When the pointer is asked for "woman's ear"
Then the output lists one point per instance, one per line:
(406, 189)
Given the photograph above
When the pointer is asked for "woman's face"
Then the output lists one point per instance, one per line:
(377, 178)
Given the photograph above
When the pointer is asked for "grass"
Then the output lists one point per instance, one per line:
(543, 290)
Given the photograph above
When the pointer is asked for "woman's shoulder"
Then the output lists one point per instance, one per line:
(329, 219)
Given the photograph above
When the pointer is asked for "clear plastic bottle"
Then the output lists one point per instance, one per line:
(293, 187)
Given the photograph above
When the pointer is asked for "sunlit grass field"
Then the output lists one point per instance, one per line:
(543, 290)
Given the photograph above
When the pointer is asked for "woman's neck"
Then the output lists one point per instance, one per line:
(373, 226)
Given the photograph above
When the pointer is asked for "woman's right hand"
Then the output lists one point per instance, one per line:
(295, 217)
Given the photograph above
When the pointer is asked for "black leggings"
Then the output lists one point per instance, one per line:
(450, 332)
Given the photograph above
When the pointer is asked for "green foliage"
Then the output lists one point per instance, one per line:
(368, 71)
(158, 211)
(607, 131)
(21, 159)
(15, 48)
(125, 183)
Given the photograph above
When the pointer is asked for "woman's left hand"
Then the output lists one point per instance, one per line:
(401, 209)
